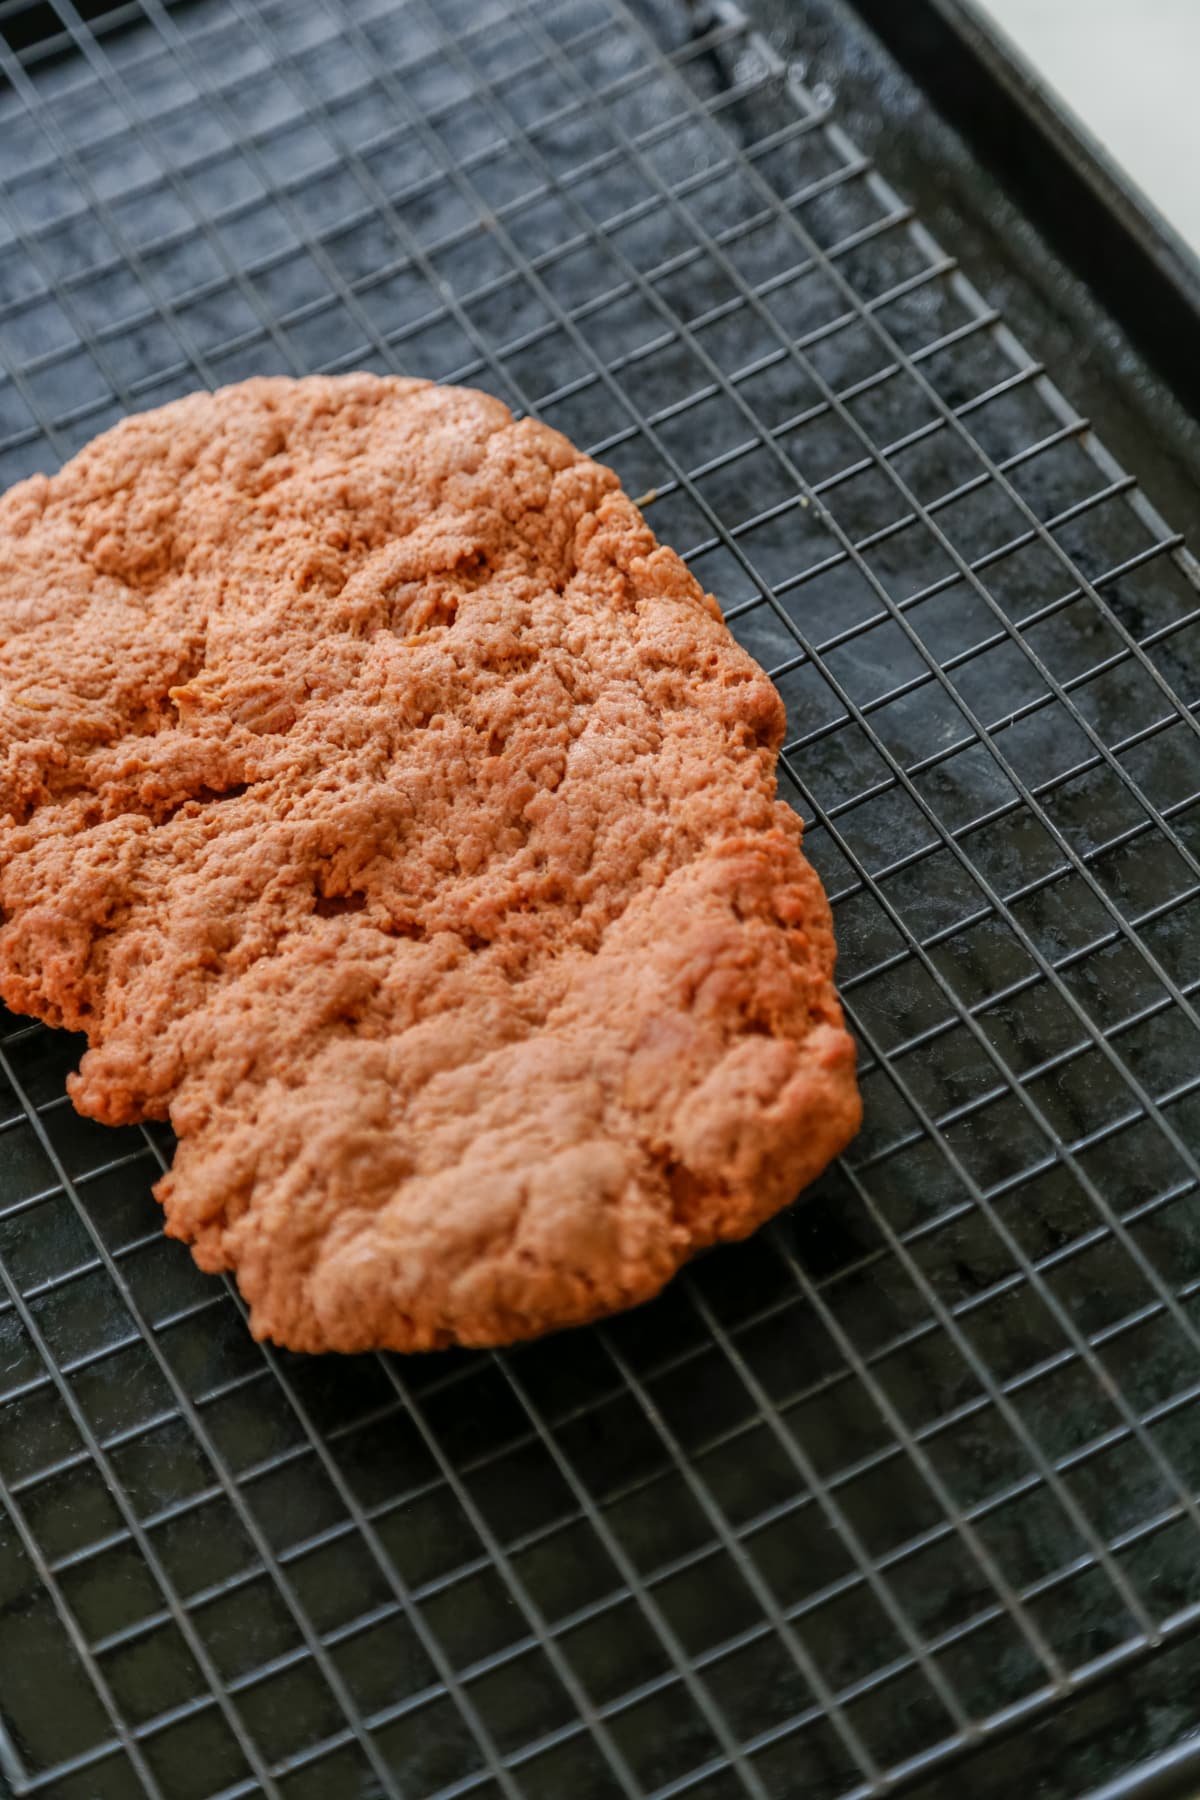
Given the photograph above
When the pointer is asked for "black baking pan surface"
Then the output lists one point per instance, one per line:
(901, 1496)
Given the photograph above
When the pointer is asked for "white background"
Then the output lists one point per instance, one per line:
(1130, 69)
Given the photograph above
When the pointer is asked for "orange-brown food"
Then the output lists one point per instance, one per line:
(397, 818)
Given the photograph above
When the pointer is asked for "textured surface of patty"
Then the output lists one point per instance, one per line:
(397, 818)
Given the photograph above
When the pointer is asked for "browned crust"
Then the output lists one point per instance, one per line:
(397, 818)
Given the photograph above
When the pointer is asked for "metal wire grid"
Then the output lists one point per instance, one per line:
(921, 1461)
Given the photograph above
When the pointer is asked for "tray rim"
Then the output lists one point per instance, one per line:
(1086, 204)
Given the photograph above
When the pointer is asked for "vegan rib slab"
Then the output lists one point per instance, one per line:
(398, 819)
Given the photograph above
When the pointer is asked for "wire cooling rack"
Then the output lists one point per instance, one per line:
(919, 1463)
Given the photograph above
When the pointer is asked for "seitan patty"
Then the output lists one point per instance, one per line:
(398, 819)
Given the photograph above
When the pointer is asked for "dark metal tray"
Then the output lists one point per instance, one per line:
(1095, 216)
(902, 1496)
